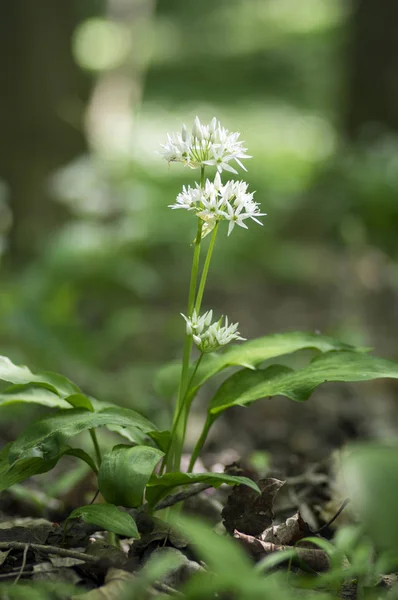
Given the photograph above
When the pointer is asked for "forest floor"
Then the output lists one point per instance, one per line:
(294, 457)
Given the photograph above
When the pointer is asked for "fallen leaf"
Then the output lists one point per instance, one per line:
(248, 511)
(64, 561)
(162, 533)
(113, 588)
(30, 531)
(287, 533)
(313, 559)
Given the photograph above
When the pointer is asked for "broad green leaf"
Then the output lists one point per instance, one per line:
(108, 517)
(230, 568)
(22, 375)
(23, 469)
(44, 394)
(9, 475)
(160, 486)
(131, 434)
(370, 474)
(79, 453)
(246, 386)
(136, 437)
(32, 393)
(156, 568)
(47, 436)
(249, 354)
(161, 438)
(124, 473)
(221, 553)
(80, 401)
(28, 467)
(273, 560)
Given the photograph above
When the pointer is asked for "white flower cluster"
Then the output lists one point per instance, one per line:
(210, 145)
(216, 202)
(208, 336)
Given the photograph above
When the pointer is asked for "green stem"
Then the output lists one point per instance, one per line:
(96, 446)
(205, 271)
(177, 441)
(199, 444)
(178, 416)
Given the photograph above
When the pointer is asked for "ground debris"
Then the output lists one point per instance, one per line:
(249, 512)
(26, 530)
(311, 559)
(287, 533)
(116, 581)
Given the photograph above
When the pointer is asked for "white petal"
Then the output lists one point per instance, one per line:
(227, 168)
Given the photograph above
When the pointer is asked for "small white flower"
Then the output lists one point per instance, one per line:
(209, 144)
(235, 217)
(217, 202)
(220, 160)
(208, 336)
(196, 324)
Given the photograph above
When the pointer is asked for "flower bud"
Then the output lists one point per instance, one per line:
(197, 129)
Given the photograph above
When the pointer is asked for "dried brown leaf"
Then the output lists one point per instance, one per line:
(115, 584)
(289, 532)
(30, 531)
(248, 511)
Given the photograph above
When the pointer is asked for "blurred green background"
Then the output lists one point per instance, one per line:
(94, 266)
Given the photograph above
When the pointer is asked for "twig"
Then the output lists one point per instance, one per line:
(95, 497)
(332, 520)
(314, 558)
(167, 589)
(22, 569)
(193, 490)
(11, 575)
(48, 550)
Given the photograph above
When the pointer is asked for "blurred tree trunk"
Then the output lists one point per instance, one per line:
(373, 70)
(42, 99)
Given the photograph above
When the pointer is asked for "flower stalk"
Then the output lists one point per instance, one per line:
(211, 202)
(180, 418)
(205, 271)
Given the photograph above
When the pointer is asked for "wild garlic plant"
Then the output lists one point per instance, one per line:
(211, 202)
(143, 471)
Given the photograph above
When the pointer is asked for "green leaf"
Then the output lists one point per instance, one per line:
(370, 474)
(108, 517)
(230, 567)
(136, 437)
(34, 393)
(80, 401)
(23, 469)
(160, 486)
(22, 375)
(156, 568)
(249, 354)
(9, 475)
(246, 386)
(79, 453)
(222, 554)
(28, 467)
(124, 473)
(47, 436)
(161, 438)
